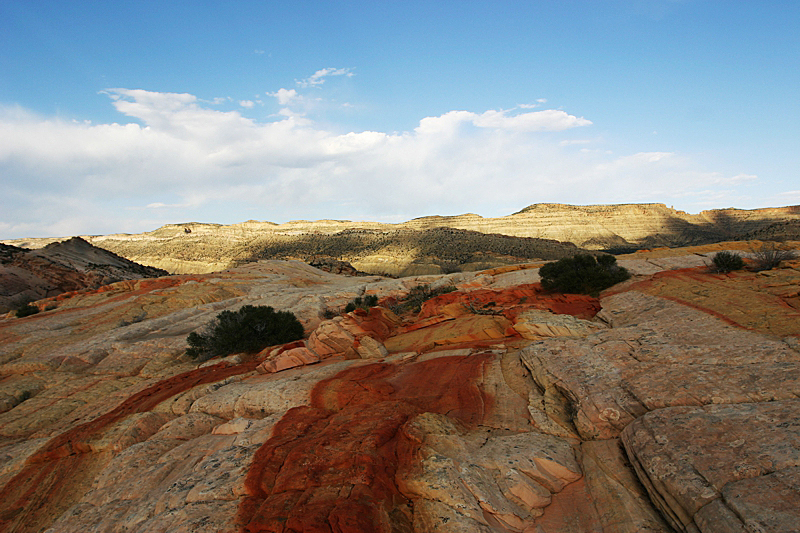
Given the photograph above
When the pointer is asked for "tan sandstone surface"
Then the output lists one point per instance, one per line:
(437, 244)
(669, 404)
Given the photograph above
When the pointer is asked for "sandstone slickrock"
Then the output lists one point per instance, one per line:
(498, 408)
(721, 467)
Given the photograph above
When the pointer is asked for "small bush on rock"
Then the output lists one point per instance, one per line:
(26, 310)
(329, 313)
(417, 296)
(365, 303)
(582, 274)
(726, 261)
(769, 256)
(248, 330)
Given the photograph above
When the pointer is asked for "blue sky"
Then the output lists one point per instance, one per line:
(123, 117)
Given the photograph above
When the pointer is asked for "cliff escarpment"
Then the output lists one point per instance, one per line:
(436, 244)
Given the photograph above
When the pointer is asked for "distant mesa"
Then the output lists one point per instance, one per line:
(441, 244)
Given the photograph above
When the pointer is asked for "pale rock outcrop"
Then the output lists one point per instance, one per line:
(721, 467)
(534, 324)
(283, 360)
(657, 353)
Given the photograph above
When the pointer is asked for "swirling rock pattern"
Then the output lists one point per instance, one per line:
(497, 408)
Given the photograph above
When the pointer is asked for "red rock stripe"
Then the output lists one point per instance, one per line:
(330, 467)
(28, 501)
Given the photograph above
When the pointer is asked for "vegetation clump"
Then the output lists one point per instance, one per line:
(770, 256)
(371, 300)
(248, 330)
(583, 274)
(726, 261)
(26, 310)
(449, 248)
(417, 296)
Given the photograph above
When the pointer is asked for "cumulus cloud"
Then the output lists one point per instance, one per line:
(286, 96)
(247, 103)
(186, 161)
(547, 120)
(534, 121)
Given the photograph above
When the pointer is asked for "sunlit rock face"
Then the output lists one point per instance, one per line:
(668, 404)
(442, 244)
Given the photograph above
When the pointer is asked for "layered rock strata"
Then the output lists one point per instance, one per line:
(437, 244)
(497, 408)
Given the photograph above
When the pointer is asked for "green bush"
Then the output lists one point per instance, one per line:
(249, 330)
(365, 303)
(726, 261)
(26, 310)
(582, 274)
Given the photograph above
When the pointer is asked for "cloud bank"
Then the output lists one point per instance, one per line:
(177, 159)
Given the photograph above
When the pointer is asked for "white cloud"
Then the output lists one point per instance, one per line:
(161, 205)
(742, 178)
(786, 197)
(62, 177)
(539, 103)
(318, 78)
(286, 96)
(534, 121)
(547, 120)
(246, 103)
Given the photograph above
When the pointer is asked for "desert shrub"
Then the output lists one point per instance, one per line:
(418, 295)
(250, 329)
(769, 256)
(329, 313)
(371, 300)
(26, 310)
(726, 261)
(582, 274)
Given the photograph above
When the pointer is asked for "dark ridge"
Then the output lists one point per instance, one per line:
(439, 245)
